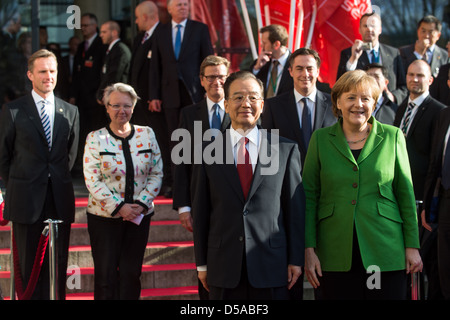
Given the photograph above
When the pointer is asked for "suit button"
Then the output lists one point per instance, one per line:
(245, 212)
(353, 202)
(355, 185)
(355, 168)
(241, 238)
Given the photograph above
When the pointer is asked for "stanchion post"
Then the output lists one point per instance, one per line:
(12, 285)
(53, 257)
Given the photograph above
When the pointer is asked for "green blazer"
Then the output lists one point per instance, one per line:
(373, 195)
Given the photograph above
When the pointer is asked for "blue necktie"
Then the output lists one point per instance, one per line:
(445, 178)
(306, 122)
(216, 123)
(46, 124)
(178, 41)
(375, 57)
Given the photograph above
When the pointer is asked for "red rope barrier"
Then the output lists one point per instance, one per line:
(39, 258)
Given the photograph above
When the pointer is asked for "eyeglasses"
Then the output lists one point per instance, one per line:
(213, 78)
(238, 99)
(118, 106)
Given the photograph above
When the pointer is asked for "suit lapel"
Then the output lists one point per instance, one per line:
(34, 117)
(293, 118)
(59, 116)
(337, 139)
(320, 110)
(420, 112)
(228, 168)
(187, 34)
(373, 141)
(386, 58)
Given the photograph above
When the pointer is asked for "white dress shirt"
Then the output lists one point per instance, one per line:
(418, 101)
(49, 107)
(300, 105)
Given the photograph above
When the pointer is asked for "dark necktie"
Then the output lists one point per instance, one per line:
(145, 38)
(306, 122)
(216, 122)
(46, 124)
(375, 57)
(178, 41)
(244, 167)
(445, 179)
(273, 80)
(407, 117)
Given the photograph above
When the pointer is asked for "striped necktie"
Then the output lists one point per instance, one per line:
(407, 118)
(46, 124)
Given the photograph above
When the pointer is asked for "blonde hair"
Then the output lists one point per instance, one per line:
(357, 79)
(119, 87)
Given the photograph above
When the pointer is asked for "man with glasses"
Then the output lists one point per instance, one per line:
(209, 113)
(248, 205)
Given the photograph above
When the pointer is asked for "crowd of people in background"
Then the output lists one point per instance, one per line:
(364, 168)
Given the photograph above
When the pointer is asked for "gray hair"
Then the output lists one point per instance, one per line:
(119, 87)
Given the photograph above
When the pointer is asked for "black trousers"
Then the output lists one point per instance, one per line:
(118, 249)
(27, 238)
(352, 285)
(245, 291)
(444, 246)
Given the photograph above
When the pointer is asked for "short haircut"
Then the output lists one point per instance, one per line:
(213, 60)
(370, 14)
(276, 33)
(241, 75)
(356, 79)
(91, 16)
(304, 52)
(119, 87)
(375, 65)
(113, 26)
(43, 53)
(430, 19)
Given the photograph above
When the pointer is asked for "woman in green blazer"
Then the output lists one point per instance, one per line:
(360, 208)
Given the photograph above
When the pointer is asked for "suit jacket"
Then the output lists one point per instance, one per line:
(87, 70)
(183, 171)
(286, 82)
(435, 168)
(386, 113)
(372, 195)
(26, 164)
(139, 76)
(391, 60)
(167, 70)
(281, 113)
(268, 227)
(440, 57)
(439, 88)
(116, 65)
(419, 139)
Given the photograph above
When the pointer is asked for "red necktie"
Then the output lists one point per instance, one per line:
(244, 167)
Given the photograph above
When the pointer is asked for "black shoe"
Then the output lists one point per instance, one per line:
(167, 192)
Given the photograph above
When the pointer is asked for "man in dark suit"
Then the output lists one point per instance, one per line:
(209, 114)
(66, 67)
(248, 204)
(428, 33)
(385, 109)
(286, 112)
(116, 63)
(437, 198)
(179, 48)
(39, 139)
(369, 50)
(272, 65)
(147, 21)
(417, 116)
(86, 76)
(439, 89)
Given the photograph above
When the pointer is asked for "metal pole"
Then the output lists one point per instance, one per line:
(12, 285)
(53, 257)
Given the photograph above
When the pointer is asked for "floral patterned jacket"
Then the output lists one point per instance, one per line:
(122, 170)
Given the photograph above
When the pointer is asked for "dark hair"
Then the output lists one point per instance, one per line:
(369, 14)
(377, 66)
(304, 52)
(430, 19)
(241, 75)
(276, 33)
(91, 16)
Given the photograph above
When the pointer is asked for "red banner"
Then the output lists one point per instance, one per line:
(336, 26)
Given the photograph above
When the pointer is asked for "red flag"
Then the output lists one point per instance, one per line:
(335, 28)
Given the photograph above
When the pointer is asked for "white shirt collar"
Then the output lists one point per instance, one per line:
(311, 96)
(283, 59)
(152, 29)
(210, 104)
(252, 135)
(183, 23)
(113, 43)
(37, 98)
(418, 101)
